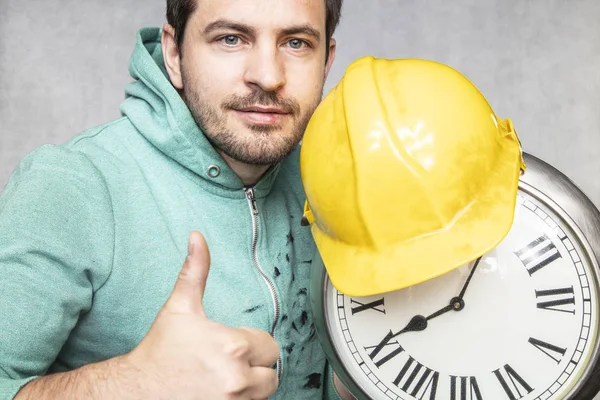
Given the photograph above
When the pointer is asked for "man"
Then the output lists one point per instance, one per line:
(94, 300)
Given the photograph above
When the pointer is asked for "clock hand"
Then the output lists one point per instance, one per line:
(464, 289)
(419, 322)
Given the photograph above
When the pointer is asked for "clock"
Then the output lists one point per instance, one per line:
(520, 322)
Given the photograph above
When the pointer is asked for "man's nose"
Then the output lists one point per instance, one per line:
(266, 68)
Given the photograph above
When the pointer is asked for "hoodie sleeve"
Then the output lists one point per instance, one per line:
(56, 241)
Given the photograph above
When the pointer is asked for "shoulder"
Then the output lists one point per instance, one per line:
(56, 183)
(54, 163)
(78, 157)
(91, 158)
(56, 210)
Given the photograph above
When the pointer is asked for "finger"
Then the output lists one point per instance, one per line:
(263, 350)
(191, 282)
(263, 383)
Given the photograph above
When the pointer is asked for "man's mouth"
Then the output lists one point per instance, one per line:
(262, 115)
(264, 109)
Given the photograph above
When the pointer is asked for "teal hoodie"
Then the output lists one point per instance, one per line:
(93, 234)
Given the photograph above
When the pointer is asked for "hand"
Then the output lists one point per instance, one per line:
(341, 389)
(419, 322)
(187, 356)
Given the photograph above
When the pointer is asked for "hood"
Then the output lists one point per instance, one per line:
(158, 112)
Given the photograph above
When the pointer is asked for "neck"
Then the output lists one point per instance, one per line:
(249, 174)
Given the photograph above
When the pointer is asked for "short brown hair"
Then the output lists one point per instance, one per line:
(179, 11)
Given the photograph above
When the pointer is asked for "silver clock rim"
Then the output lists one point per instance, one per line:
(568, 202)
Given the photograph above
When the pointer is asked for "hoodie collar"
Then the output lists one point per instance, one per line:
(157, 111)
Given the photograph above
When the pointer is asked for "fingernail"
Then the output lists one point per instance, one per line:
(190, 246)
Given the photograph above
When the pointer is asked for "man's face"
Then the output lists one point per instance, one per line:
(252, 73)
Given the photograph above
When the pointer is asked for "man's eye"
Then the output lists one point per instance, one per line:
(230, 40)
(296, 43)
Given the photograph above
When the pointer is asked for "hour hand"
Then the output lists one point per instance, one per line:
(451, 306)
(419, 322)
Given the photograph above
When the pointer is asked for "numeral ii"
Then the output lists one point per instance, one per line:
(537, 254)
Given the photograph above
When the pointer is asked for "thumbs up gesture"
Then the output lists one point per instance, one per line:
(188, 356)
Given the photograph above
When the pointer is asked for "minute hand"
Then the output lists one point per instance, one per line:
(464, 289)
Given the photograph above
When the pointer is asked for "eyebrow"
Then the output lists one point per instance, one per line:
(223, 24)
(303, 29)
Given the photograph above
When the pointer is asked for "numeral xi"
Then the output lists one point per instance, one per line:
(375, 350)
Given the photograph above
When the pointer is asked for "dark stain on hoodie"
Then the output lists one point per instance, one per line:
(253, 309)
(290, 238)
(303, 318)
(313, 381)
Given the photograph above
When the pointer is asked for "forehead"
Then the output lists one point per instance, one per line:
(263, 14)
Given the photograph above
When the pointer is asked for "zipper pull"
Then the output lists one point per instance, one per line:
(250, 196)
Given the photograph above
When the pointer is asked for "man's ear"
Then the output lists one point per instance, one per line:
(331, 56)
(171, 55)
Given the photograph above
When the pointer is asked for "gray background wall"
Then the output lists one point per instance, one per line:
(63, 65)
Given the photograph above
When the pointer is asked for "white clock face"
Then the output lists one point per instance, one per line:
(526, 329)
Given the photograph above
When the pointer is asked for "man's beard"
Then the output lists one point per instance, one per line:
(268, 146)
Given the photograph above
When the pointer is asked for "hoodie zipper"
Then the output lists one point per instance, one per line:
(270, 285)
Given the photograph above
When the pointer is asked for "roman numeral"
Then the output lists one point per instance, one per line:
(417, 380)
(546, 347)
(566, 297)
(375, 350)
(537, 254)
(376, 305)
(512, 391)
(458, 388)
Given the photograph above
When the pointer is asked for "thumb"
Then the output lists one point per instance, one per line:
(191, 282)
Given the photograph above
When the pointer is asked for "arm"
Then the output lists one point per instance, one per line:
(334, 388)
(56, 235)
(112, 379)
(170, 361)
(56, 241)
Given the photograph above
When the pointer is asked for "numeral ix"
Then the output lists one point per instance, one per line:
(377, 305)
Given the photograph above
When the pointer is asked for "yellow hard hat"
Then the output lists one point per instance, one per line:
(408, 174)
